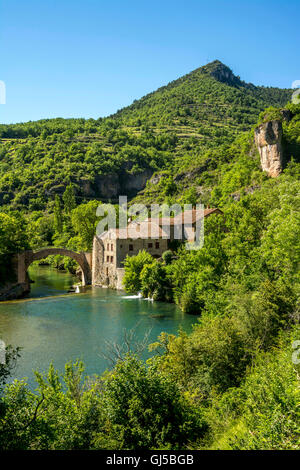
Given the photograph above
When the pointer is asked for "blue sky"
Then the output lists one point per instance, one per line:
(75, 58)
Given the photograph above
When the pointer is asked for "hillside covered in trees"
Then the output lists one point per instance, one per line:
(168, 129)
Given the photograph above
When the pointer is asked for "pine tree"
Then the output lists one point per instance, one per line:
(58, 218)
(69, 199)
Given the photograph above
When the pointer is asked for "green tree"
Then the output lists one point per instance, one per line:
(13, 239)
(61, 414)
(133, 267)
(84, 222)
(263, 414)
(58, 216)
(143, 410)
(155, 282)
(69, 199)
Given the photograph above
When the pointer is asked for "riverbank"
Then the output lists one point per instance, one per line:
(14, 291)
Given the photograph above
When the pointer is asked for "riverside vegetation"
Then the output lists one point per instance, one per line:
(231, 383)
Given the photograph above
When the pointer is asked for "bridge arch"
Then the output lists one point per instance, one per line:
(26, 258)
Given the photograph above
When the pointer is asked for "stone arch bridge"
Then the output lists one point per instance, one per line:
(24, 260)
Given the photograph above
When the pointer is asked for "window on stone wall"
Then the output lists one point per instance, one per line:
(156, 245)
(130, 247)
(150, 245)
(112, 247)
(107, 259)
(111, 259)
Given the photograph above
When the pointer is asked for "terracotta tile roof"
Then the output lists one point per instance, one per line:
(157, 227)
(190, 216)
(145, 229)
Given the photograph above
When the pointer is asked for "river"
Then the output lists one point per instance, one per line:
(51, 325)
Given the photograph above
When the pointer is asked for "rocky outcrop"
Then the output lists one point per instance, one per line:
(14, 291)
(156, 178)
(190, 175)
(135, 182)
(268, 139)
(224, 74)
(236, 196)
(286, 114)
(108, 186)
(105, 186)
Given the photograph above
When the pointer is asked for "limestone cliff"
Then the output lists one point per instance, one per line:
(268, 139)
(106, 186)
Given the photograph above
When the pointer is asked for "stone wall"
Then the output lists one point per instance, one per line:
(97, 264)
(139, 245)
(120, 276)
(110, 274)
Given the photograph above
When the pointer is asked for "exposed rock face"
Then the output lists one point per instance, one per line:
(191, 174)
(286, 114)
(135, 182)
(14, 291)
(224, 74)
(108, 186)
(155, 179)
(236, 196)
(268, 138)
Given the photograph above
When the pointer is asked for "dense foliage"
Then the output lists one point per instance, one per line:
(13, 239)
(133, 407)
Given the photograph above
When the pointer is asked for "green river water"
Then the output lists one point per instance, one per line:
(53, 326)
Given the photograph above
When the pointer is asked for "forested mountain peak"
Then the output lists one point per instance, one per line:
(222, 73)
(172, 127)
(208, 100)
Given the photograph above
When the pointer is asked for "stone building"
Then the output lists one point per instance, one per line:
(153, 235)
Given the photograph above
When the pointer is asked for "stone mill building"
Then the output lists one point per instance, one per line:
(153, 235)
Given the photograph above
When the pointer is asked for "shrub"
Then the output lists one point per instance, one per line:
(133, 268)
(167, 256)
(154, 281)
(144, 410)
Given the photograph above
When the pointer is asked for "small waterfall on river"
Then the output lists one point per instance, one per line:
(138, 296)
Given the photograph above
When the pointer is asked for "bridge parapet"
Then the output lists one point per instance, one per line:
(84, 259)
